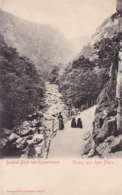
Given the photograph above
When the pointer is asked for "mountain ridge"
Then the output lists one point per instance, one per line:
(44, 44)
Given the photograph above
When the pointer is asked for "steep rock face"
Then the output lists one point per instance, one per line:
(43, 44)
(104, 139)
(105, 113)
(108, 28)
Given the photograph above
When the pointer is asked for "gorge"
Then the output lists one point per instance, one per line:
(32, 54)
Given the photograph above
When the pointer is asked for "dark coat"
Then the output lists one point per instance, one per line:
(73, 123)
(79, 123)
(61, 123)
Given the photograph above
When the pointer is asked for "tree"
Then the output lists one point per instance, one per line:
(21, 87)
(108, 52)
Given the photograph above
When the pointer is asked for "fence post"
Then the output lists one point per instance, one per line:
(53, 126)
(45, 141)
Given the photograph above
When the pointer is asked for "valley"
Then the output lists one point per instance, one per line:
(43, 73)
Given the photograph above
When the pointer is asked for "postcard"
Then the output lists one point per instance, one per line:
(60, 97)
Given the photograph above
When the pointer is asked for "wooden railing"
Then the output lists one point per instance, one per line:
(88, 105)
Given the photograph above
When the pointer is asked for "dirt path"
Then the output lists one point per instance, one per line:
(70, 141)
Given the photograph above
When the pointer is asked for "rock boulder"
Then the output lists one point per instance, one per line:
(13, 136)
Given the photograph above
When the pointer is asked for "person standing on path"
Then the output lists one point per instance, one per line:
(73, 123)
(79, 123)
(61, 123)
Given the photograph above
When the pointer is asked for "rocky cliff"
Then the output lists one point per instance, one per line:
(105, 140)
(106, 30)
(43, 44)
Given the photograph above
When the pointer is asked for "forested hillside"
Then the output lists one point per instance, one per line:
(54, 75)
(82, 82)
(85, 77)
(21, 87)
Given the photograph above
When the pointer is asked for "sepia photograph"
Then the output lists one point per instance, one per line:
(60, 86)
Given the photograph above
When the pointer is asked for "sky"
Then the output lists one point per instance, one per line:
(75, 18)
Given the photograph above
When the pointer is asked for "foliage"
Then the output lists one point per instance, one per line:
(21, 87)
(82, 62)
(108, 49)
(54, 74)
(82, 82)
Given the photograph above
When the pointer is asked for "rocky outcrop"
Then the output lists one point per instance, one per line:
(105, 138)
(106, 30)
(30, 140)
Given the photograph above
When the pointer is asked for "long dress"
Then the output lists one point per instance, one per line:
(73, 123)
(61, 123)
(79, 123)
